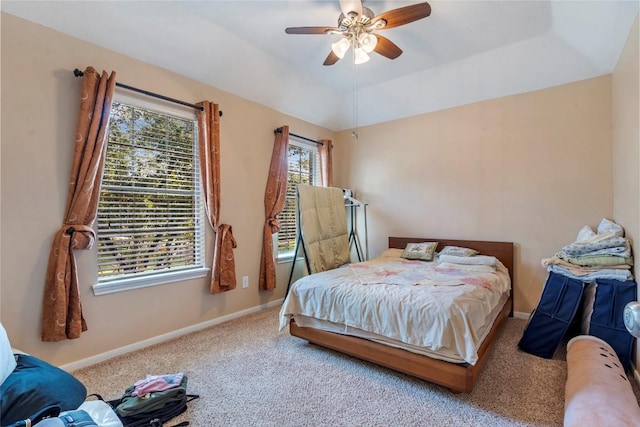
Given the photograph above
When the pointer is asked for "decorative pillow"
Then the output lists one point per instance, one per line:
(35, 384)
(458, 251)
(422, 251)
(7, 359)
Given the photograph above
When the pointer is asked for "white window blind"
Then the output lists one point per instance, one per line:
(150, 213)
(304, 168)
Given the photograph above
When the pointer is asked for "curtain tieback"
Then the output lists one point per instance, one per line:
(82, 236)
(274, 224)
(227, 233)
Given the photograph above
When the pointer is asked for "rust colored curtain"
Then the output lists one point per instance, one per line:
(223, 269)
(61, 309)
(326, 162)
(274, 198)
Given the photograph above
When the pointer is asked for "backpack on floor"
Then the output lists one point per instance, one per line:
(153, 409)
(155, 417)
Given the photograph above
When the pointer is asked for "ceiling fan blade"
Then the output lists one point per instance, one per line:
(386, 47)
(309, 30)
(331, 59)
(404, 15)
(351, 6)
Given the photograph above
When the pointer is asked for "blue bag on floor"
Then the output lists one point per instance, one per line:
(549, 322)
(76, 418)
(607, 321)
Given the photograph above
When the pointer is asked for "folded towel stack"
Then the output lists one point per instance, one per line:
(602, 255)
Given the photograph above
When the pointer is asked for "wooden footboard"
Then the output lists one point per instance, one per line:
(459, 378)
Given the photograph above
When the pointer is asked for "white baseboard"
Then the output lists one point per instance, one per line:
(83, 363)
(521, 315)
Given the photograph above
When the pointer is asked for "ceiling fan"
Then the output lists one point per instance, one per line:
(358, 25)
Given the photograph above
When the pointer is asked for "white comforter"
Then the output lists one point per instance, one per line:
(440, 310)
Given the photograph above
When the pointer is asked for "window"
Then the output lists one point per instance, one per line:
(304, 168)
(151, 212)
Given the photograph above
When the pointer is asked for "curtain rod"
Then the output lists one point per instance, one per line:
(279, 130)
(79, 73)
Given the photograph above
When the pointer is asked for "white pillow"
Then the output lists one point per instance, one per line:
(458, 251)
(469, 260)
(7, 359)
(468, 267)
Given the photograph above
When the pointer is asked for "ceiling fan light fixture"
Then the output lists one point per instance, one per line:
(341, 47)
(368, 42)
(360, 56)
(358, 25)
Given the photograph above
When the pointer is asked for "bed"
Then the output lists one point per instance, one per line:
(456, 364)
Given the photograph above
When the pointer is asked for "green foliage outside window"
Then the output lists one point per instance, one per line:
(302, 170)
(148, 208)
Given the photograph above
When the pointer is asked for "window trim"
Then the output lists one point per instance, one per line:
(144, 281)
(120, 284)
(285, 257)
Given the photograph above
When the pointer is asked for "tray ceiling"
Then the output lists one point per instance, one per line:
(466, 51)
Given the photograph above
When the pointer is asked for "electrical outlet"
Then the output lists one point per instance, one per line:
(245, 281)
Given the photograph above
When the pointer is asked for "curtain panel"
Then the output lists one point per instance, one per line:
(326, 162)
(61, 309)
(274, 198)
(223, 269)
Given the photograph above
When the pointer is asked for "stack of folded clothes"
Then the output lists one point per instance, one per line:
(602, 255)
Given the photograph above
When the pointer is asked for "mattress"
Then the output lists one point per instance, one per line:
(422, 307)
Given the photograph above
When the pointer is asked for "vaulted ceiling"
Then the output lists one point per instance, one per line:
(466, 51)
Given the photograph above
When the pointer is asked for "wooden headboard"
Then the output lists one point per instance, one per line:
(501, 250)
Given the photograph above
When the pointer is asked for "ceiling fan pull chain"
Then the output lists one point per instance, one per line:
(354, 132)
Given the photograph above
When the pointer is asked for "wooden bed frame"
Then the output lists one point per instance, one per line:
(459, 378)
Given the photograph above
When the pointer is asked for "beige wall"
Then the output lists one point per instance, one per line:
(626, 144)
(39, 112)
(530, 168)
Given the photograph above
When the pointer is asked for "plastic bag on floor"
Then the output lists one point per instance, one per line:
(102, 413)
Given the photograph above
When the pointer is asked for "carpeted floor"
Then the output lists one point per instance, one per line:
(249, 374)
